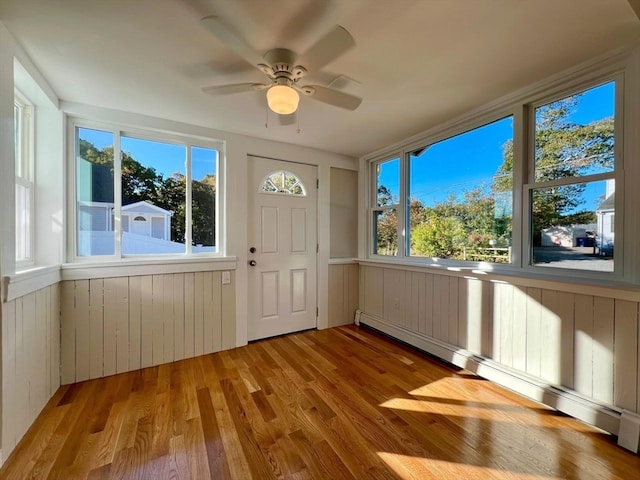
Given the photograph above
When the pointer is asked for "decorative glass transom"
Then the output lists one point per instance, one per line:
(284, 183)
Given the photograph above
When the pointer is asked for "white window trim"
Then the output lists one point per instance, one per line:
(373, 204)
(185, 140)
(622, 67)
(26, 177)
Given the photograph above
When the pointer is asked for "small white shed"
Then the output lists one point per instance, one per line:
(144, 218)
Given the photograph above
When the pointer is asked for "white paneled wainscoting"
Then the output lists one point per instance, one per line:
(30, 360)
(343, 292)
(114, 325)
(554, 342)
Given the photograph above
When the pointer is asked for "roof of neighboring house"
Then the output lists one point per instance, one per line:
(145, 207)
(608, 204)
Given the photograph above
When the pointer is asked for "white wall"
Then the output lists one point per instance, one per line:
(7, 171)
(344, 213)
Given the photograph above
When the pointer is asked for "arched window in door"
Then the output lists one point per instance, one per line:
(284, 183)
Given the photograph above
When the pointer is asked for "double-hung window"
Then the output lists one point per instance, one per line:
(143, 194)
(572, 184)
(23, 127)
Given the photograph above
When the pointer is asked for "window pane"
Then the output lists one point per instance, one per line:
(17, 128)
(204, 163)
(283, 183)
(388, 182)
(573, 226)
(386, 232)
(574, 136)
(23, 222)
(153, 197)
(94, 190)
(460, 195)
(23, 184)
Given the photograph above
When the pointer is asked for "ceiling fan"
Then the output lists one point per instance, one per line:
(284, 73)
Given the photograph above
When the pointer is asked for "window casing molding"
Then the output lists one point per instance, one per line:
(624, 69)
(387, 208)
(179, 139)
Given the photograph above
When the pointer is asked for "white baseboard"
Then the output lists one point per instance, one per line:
(629, 433)
(564, 400)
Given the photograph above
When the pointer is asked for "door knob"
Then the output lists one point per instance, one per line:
(252, 250)
(253, 263)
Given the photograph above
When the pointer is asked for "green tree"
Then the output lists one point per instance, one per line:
(439, 236)
(138, 182)
(386, 224)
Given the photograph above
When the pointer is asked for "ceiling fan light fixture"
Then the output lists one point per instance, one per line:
(282, 99)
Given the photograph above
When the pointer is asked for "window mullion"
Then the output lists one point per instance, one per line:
(188, 232)
(403, 207)
(117, 194)
(371, 227)
(523, 146)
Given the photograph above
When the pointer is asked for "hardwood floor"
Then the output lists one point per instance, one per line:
(344, 403)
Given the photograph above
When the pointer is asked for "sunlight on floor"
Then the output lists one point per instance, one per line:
(483, 412)
(408, 467)
(458, 397)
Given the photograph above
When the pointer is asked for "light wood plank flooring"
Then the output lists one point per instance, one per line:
(344, 403)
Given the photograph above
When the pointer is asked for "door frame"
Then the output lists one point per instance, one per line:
(237, 243)
(318, 268)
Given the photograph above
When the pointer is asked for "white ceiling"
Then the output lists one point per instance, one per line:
(416, 63)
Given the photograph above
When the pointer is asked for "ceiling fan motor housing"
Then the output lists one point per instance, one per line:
(281, 65)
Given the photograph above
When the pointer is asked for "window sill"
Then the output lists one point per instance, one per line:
(520, 277)
(30, 280)
(147, 266)
(341, 261)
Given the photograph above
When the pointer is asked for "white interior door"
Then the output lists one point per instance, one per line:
(283, 247)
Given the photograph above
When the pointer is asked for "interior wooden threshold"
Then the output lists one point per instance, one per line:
(343, 403)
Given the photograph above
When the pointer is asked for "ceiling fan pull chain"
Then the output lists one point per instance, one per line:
(266, 114)
(298, 120)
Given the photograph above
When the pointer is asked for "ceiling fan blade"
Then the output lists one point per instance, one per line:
(232, 39)
(234, 88)
(328, 48)
(332, 97)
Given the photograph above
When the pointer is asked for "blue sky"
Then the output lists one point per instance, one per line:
(472, 159)
(166, 158)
